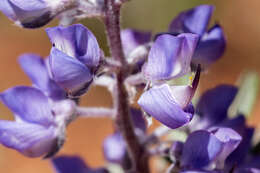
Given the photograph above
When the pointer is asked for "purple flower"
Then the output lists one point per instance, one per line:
(211, 47)
(230, 139)
(170, 57)
(212, 109)
(73, 164)
(247, 170)
(199, 171)
(194, 20)
(39, 126)
(240, 154)
(114, 146)
(213, 105)
(36, 68)
(176, 150)
(203, 148)
(131, 39)
(212, 43)
(74, 57)
(34, 13)
(170, 104)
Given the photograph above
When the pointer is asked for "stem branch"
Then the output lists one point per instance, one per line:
(98, 112)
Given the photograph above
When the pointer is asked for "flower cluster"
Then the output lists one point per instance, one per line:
(212, 141)
(43, 111)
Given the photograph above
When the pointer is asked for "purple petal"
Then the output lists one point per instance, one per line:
(28, 103)
(230, 140)
(68, 72)
(69, 164)
(238, 124)
(6, 8)
(138, 119)
(161, 103)
(252, 162)
(29, 5)
(176, 149)
(32, 14)
(76, 41)
(114, 148)
(210, 48)
(170, 56)
(35, 67)
(194, 20)
(131, 39)
(200, 149)
(73, 164)
(30, 139)
(239, 155)
(201, 171)
(214, 103)
(247, 170)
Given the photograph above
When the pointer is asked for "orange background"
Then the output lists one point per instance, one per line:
(241, 22)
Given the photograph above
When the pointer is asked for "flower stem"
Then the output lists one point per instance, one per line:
(123, 121)
(95, 112)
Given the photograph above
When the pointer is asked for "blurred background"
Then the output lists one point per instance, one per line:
(240, 20)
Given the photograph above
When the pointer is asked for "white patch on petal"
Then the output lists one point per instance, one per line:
(176, 69)
(181, 94)
(64, 112)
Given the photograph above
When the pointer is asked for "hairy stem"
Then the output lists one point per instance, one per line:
(123, 121)
(97, 112)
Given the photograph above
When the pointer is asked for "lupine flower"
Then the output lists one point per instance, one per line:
(203, 148)
(251, 165)
(213, 105)
(131, 39)
(135, 44)
(212, 109)
(170, 104)
(39, 127)
(211, 47)
(212, 42)
(201, 171)
(231, 140)
(169, 57)
(194, 20)
(247, 170)
(176, 150)
(239, 156)
(73, 164)
(114, 146)
(37, 70)
(74, 57)
(34, 13)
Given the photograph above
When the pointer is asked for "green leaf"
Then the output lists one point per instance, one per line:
(246, 96)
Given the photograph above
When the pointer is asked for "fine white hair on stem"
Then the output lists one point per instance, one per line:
(95, 112)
